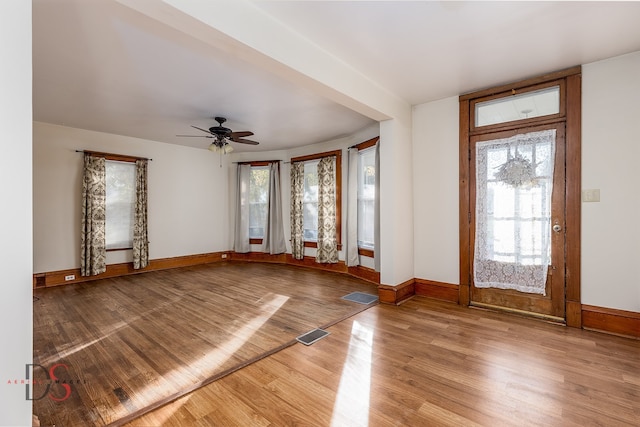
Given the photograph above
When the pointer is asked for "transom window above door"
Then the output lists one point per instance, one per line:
(510, 108)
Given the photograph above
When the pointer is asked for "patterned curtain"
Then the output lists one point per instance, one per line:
(297, 224)
(327, 240)
(93, 251)
(140, 237)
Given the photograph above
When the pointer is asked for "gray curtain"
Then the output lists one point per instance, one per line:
(297, 224)
(241, 236)
(273, 241)
(376, 211)
(327, 251)
(352, 257)
(93, 252)
(140, 234)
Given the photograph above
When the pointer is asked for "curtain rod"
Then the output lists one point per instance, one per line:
(255, 161)
(98, 153)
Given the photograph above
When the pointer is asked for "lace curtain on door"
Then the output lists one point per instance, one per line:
(514, 180)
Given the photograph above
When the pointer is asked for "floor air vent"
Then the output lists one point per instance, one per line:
(361, 297)
(313, 336)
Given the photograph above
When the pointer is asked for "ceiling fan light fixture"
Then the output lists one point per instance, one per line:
(222, 136)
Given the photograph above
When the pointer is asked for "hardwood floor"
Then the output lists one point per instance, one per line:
(427, 363)
(127, 344)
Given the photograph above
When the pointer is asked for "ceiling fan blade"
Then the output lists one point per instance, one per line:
(203, 130)
(246, 141)
(235, 135)
(196, 136)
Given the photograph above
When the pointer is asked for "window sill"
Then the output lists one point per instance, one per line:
(366, 252)
(315, 245)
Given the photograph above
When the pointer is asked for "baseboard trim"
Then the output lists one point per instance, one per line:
(398, 294)
(57, 278)
(438, 290)
(573, 314)
(612, 321)
(360, 272)
(258, 257)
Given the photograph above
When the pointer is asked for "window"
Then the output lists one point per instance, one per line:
(527, 105)
(120, 204)
(114, 210)
(258, 199)
(310, 201)
(366, 197)
(258, 215)
(509, 108)
(310, 197)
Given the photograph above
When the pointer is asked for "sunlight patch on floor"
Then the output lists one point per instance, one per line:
(210, 362)
(218, 356)
(353, 398)
(62, 354)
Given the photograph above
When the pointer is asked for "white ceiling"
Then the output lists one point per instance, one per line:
(102, 66)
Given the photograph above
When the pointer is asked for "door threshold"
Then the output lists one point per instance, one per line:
(546, 317)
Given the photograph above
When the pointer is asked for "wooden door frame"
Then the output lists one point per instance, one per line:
(572, 79)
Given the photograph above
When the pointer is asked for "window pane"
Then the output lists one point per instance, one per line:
(536, 103)
(366, 197)
(310, 201)
(258, 197)
(516, 216)
(120, 210)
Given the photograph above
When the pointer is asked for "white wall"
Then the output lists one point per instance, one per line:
(435, 194)
(188, 196)
(610, 162)
(396, 202)
(15, 228)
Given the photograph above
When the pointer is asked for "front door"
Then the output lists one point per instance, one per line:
(517, 218)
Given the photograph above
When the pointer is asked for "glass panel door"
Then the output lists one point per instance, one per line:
(517, 217)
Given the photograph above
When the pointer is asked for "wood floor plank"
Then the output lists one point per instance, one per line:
(433, 363)
(140, 339)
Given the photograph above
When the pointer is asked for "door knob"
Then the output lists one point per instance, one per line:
(557, 227)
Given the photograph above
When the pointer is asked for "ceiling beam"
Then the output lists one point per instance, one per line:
(244, 30)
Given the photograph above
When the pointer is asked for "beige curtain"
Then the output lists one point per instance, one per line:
(241, 240)
(327, 251)
(297, 224)
(273, 241)
(352, 258)
(140, 235)
(376, 215)
(93, 252)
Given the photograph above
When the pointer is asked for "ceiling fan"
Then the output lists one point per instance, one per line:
(222, 136)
